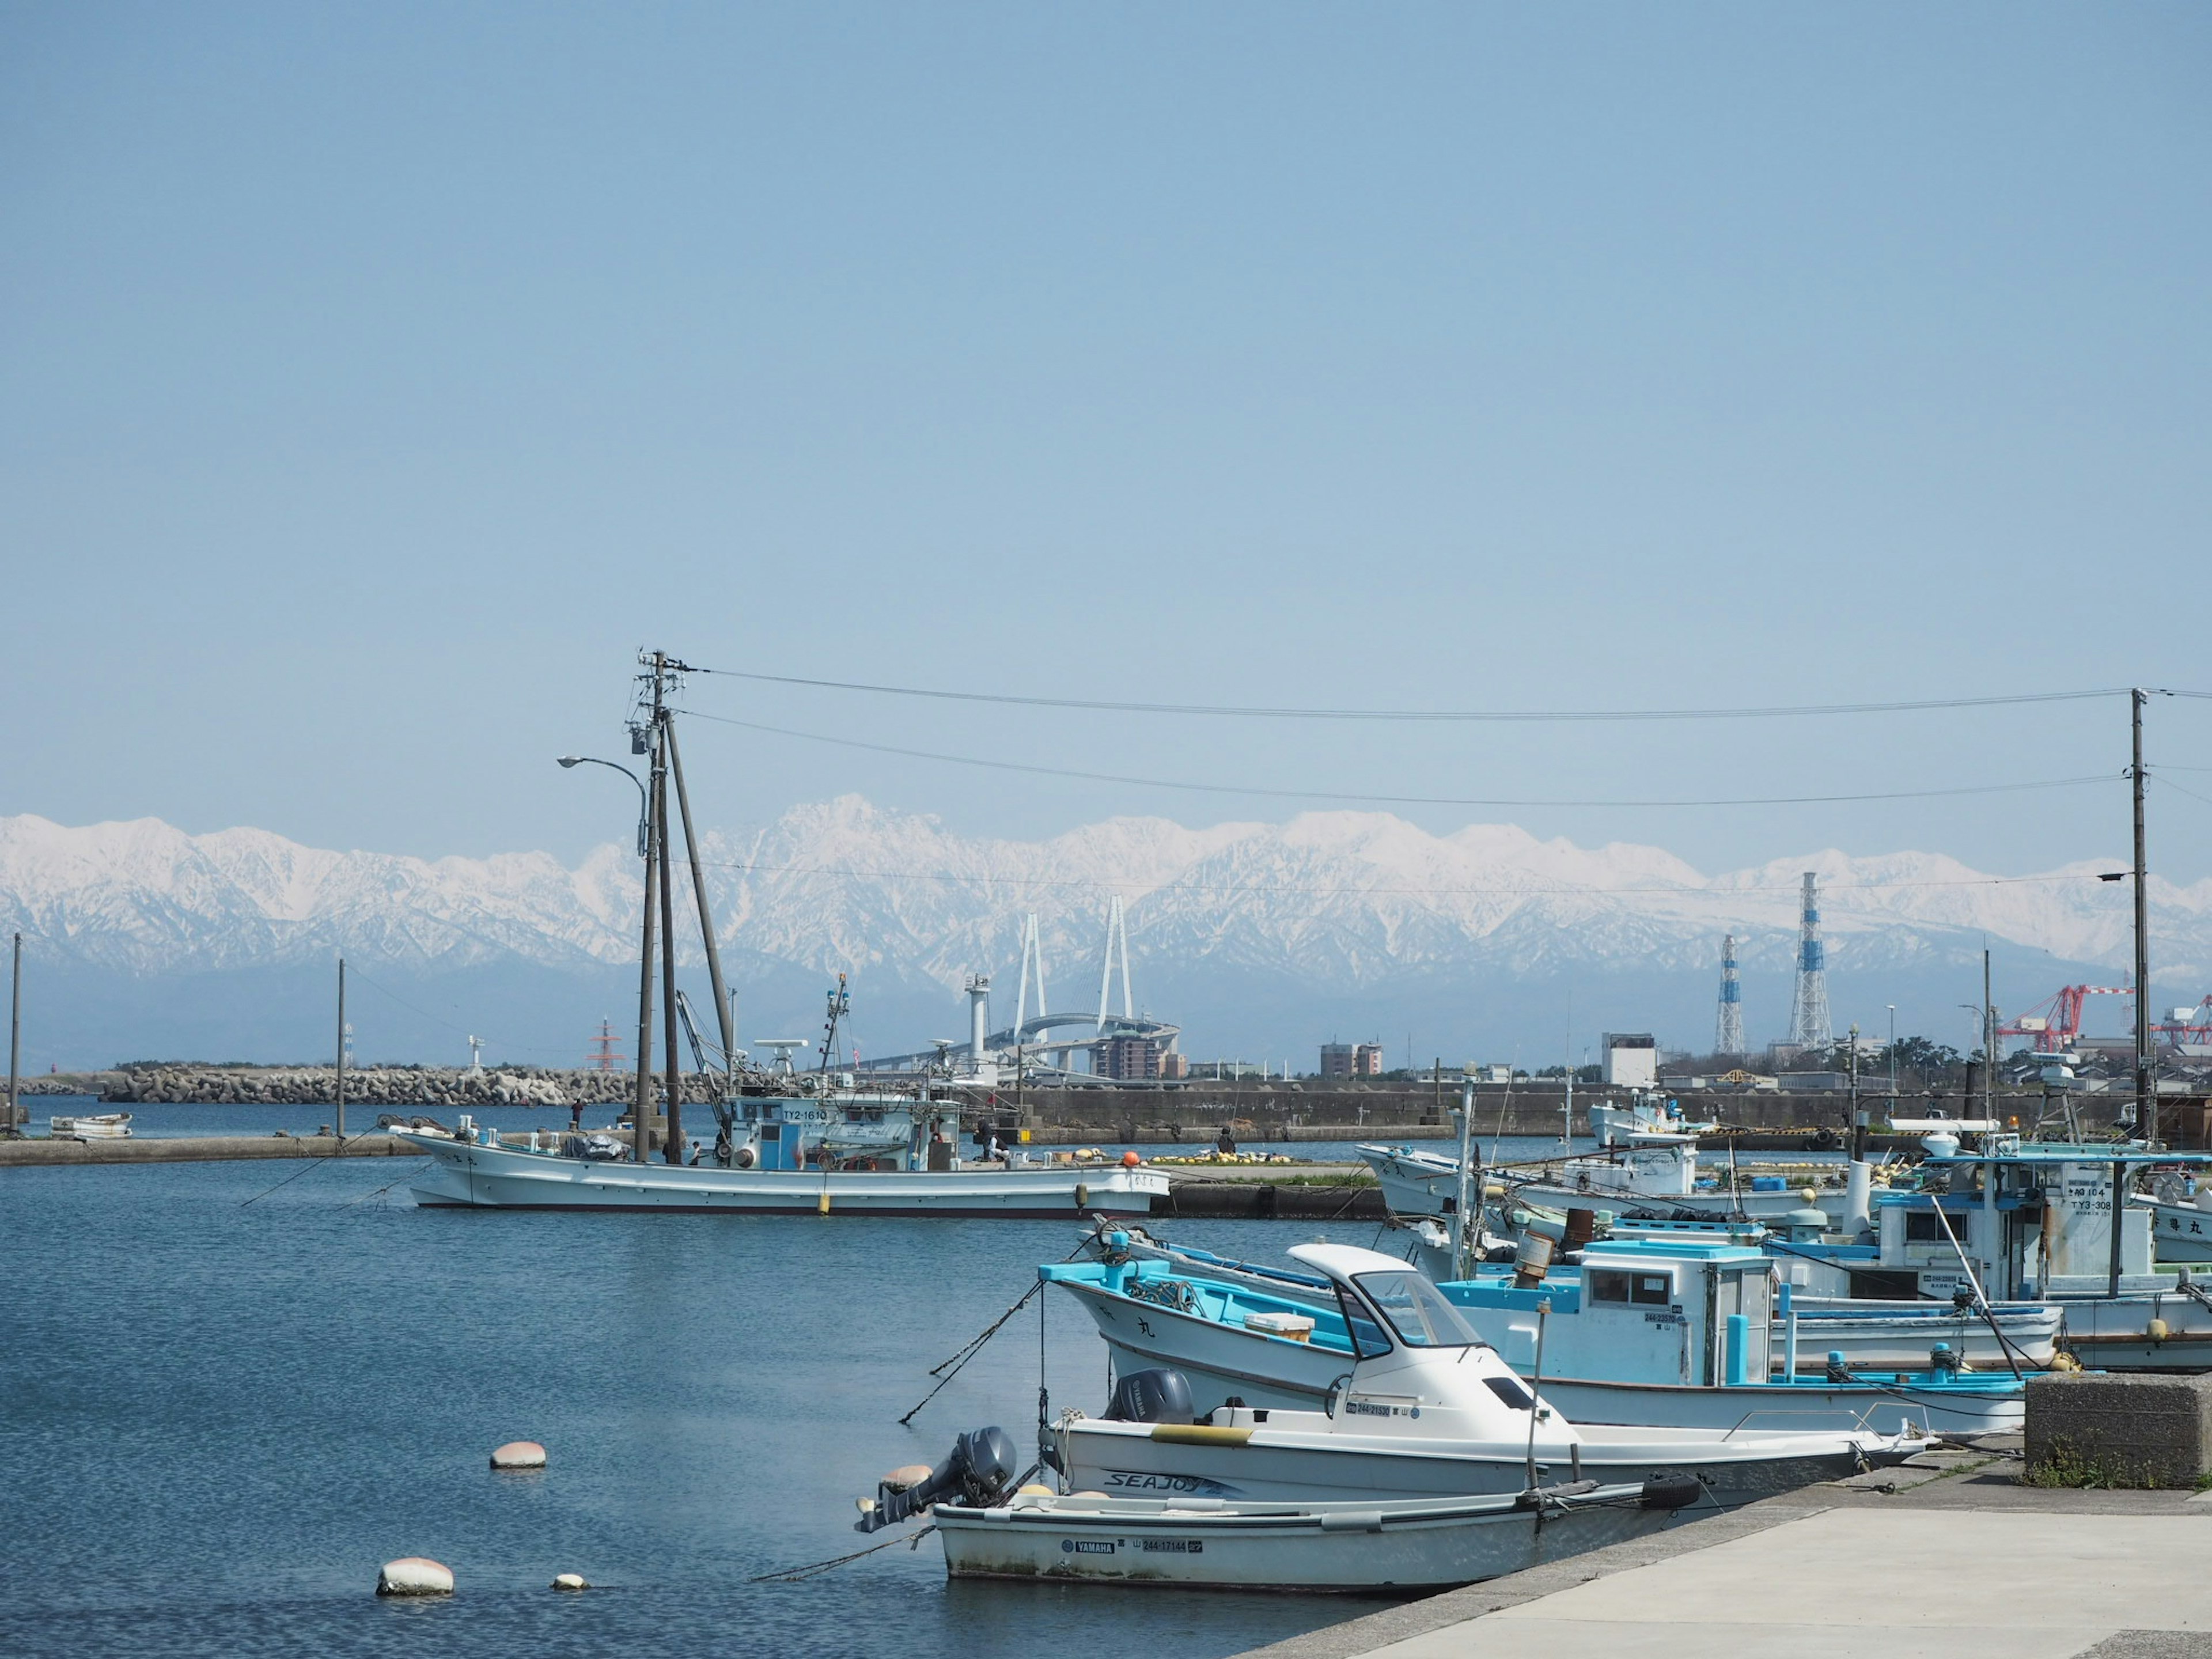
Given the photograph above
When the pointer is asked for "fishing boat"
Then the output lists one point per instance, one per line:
(1391, 1394)
(993, 1527)
(1640, 1174)
(1648, 1334)
(843, 1153)
(1349, 1547)
(101, 1125)
(2014, 1221)
(2181, 1217)
(1896, 1335)
(1612, 1123)
(785, 1143)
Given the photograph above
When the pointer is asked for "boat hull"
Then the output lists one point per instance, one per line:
(1337, 1548)
(466, 1176)
(1141, 1460)
(2179, 1232)
(1900, 1408)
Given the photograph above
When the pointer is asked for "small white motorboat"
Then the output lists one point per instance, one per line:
(1419, 1544)
(100, 1125)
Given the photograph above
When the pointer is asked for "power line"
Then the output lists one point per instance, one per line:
(1243, 712)
(1094, 885)
(1371, 801)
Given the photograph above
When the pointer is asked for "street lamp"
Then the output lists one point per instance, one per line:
(644, 836)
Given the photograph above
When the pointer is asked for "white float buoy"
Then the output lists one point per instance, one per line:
(907, 1475)
(414, 1575)
(518, 1454)
(568, 1580)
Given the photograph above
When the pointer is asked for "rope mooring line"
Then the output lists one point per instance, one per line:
(799, 1575)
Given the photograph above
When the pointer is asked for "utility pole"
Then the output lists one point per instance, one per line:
(672, 1148)
(16, 1044)
(641, 1103)
(1990, 1051)
(728, 1019)
(2145, 1090)
(339, 1125)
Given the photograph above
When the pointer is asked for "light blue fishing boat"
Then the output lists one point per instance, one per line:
(1650, 1334)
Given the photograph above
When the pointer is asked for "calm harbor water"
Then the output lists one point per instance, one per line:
(225, 1400)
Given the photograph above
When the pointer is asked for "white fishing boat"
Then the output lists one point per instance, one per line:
(101, 1125)
(1411, 1401)
(908, 1171)
(2181, 1219)
(1640, 1175)
(1399, 1544)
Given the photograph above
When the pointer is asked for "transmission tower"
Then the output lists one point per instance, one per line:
(1728, 1034)
(1808, 1012)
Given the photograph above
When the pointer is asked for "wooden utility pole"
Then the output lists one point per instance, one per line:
(2145, 1088)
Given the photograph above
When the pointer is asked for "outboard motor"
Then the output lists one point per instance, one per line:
(976, 1475)
(1152, 1397)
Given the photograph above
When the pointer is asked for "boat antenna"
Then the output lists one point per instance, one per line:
(840, 1004)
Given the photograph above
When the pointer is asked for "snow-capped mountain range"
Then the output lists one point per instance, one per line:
(1359, 907)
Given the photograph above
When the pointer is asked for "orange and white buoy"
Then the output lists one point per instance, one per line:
(518, 1454)
(414, 1575)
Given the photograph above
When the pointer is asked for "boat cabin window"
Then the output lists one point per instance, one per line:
(1417, 1310)
(1642, 1289)
(1512, 1390)
(1368, 1340)
(1925, 1227)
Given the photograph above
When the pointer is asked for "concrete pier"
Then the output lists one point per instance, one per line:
(198, 1149)
(1935, 1562)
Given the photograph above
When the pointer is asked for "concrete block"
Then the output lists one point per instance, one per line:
(2084, 1428)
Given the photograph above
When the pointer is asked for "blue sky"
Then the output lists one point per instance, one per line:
(374, 380)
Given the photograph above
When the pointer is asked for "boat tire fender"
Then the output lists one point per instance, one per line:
(1671, 1489)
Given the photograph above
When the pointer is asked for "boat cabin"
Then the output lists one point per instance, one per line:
(1647, 1310)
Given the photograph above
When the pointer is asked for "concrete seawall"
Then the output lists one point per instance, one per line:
(198, 1149)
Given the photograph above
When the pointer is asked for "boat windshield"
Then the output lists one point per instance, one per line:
(1417, 1310)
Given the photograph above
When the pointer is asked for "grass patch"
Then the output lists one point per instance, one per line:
(2065, 1465)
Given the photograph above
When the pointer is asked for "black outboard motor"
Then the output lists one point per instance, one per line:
(1152, 1396)
(976, 1475)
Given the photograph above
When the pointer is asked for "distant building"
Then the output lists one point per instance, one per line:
(1335, 1060)
(1367, 1059)
(1632, 1059)
(1174, 1068)
(1127, 1058)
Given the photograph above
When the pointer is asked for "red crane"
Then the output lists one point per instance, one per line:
(2053, 1026)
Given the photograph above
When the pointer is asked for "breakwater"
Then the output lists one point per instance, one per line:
(1061, 1115)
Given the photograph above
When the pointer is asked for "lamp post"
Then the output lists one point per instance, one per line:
(1892, 1059)
(644, 843)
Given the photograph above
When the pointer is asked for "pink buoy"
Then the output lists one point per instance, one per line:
(518, 1454)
